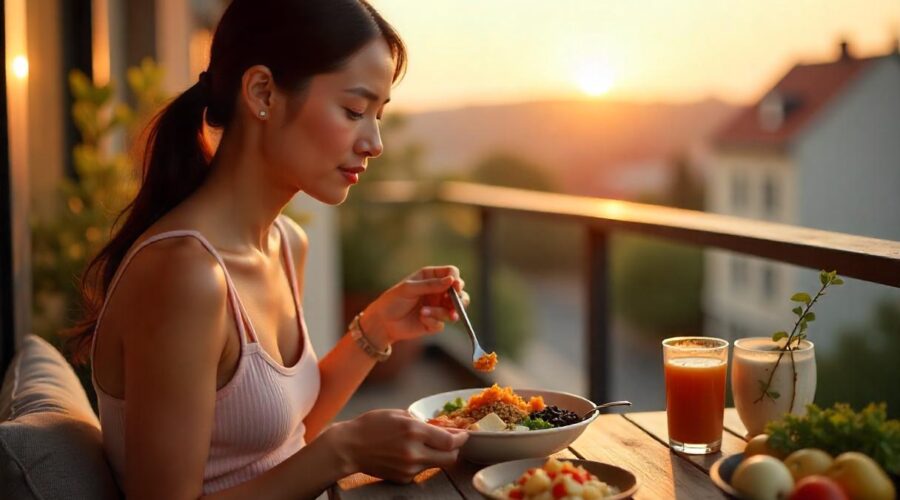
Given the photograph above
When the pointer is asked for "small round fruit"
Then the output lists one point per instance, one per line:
(861, 477)
(817, 488)
(762, 477)
(808, 462)
(759, 445)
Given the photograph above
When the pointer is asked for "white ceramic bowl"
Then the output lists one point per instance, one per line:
(487, 480)
(485, 447)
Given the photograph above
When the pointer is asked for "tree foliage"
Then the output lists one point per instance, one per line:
(657, 284)
(863, 366)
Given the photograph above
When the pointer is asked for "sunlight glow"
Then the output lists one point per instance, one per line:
(477, 53)
(611, 209)
(20, 67)
(594, 77)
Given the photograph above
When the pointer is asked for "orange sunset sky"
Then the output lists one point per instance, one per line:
(465, 52)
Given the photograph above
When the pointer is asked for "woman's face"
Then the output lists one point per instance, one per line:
(321, 145)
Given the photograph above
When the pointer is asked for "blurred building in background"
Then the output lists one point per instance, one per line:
(819, 150)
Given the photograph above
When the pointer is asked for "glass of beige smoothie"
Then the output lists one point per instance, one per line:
(752, 363)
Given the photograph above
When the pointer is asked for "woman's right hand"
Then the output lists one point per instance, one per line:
(393, 445)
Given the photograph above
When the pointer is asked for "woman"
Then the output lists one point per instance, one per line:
(206, 379)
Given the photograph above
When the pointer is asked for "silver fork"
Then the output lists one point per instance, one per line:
(606, 405)
(477, 351)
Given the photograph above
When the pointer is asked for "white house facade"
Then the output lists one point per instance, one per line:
(821, 149)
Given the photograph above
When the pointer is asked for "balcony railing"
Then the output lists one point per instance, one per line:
(868, 259)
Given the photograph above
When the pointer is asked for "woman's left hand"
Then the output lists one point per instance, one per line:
(415, 307)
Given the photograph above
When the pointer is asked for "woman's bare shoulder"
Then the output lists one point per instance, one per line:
(174, 282)
(183, 261)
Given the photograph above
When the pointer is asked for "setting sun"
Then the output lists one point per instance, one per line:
(594, 78)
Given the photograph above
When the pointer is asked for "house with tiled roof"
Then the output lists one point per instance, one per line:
(820, 149)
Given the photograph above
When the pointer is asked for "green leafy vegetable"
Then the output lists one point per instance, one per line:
(535, 423)
(452, 406)
(839, 429)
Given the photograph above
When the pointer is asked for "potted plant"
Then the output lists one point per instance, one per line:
(771, 376)
(70, 228)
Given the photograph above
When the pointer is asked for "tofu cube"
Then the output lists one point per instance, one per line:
(491, 423)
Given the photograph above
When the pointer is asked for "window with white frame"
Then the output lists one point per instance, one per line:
(739, 192)
(770, 197)
(769, 282)
(739, 273)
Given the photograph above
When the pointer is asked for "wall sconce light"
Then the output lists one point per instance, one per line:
(20, 67)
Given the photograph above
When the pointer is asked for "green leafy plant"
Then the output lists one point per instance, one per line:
(798, 334)
(839, 429)
(78, 221)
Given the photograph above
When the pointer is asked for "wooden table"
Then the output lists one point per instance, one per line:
(634, 441)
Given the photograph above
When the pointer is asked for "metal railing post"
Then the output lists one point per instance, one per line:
(598, 351)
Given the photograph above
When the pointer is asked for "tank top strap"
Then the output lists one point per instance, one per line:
(289, 263)
(292, 279)
(240, 316)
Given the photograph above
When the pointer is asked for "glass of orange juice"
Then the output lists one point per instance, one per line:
(695, 392)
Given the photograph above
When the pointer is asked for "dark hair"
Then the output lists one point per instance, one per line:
(295, 39)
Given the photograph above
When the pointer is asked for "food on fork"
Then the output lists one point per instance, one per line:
(486, 363)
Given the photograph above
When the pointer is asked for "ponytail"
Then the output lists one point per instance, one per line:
(175, 163)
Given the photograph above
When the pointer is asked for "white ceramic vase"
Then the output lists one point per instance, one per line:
(752, 361)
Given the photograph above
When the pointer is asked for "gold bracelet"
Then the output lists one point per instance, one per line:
(359, 336)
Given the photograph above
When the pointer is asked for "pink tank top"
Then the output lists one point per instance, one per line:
(259, 413)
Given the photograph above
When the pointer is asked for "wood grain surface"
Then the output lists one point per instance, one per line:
(636, 442)
(661, 473)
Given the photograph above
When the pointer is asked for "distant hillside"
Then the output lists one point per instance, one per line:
(586, 142)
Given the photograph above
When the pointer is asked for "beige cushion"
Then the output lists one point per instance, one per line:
(50, 441)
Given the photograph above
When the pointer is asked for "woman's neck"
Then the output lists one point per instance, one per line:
(241, 199)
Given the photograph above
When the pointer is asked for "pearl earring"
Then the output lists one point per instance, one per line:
(263, 114)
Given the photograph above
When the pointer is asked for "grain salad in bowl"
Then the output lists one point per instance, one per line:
(506, 423)
(501, 409)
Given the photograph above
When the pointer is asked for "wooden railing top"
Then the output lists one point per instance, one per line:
(869, 259)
